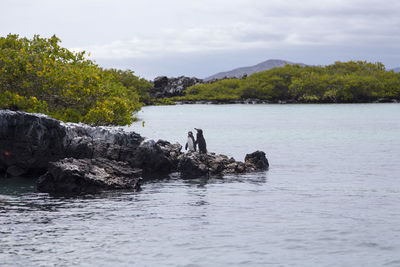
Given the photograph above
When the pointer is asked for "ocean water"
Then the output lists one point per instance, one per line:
(330, 198)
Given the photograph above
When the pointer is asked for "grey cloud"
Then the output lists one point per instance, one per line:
(148, 34)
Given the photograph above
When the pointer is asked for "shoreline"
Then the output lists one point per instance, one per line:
(260, 101)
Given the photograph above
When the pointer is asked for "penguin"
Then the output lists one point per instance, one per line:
(200, 141)
(191, 144)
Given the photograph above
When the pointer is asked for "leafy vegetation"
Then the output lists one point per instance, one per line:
(341, 82)
(38, 75)
(133, 83)
(163, 102)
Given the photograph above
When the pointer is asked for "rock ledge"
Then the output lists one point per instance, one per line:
(77, 158)
(78, 176)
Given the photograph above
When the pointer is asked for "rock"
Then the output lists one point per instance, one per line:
(241, 167)
(160, 82)
(194, 164)
(156, 157)
(85, 158)
(258, 160)
(76, 176)
(386, 100)
(3, 169)
(30, 141)
(169, 87)
(15, 171)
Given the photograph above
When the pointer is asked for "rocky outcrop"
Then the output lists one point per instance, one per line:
(77, 158)
(386, 100)
(257, 160)
(169, 87)
(28, 142)
(76, 176)
(195, 164)
(159, 157)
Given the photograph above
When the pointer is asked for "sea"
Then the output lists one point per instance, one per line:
(331, 196)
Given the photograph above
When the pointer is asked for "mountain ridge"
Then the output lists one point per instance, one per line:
(248, 70)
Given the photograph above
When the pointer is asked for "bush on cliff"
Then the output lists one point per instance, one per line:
(38, 75)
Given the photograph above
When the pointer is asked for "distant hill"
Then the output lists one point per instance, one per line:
(239, 72)
(396, 69)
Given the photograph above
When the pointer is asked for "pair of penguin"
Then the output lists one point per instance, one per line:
(200, 141)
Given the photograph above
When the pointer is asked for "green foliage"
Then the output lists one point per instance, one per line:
(340, 82)
(222, 90)
(38, 75)
(164, 102)
(14, 101)
(114, 111)
(133, 83)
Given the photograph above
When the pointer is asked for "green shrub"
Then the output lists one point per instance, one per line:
(14, 101)
(164, 102)
(340, 82)
(66, 84)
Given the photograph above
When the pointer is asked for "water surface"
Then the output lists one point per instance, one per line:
(330, 198)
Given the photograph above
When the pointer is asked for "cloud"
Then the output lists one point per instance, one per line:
(244, 25)
(193, 40)
(156, 30)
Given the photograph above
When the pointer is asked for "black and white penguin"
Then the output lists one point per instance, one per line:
(200, 141)
(191, 144)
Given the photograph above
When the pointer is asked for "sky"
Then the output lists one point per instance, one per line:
(202, 37)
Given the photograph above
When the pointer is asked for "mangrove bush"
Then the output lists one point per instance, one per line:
(340, 82)
(38, 75)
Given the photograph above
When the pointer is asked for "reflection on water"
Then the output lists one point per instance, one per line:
(330, 197)
(16, 186)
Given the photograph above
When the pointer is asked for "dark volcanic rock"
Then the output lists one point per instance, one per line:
(194, 164)
(88, 176)
(386, 100)
(160, 82)
(15, 171)
(28, 142)
(257, 159)
(169, 87)
(88, 159)
(156, 157)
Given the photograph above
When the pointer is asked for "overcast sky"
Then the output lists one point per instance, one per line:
(202, 37)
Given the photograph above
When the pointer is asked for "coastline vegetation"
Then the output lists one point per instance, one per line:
(38, 75)
(341, 82)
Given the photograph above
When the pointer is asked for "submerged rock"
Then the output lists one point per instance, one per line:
(78, 176)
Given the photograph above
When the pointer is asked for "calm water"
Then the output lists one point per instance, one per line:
(330, 198)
